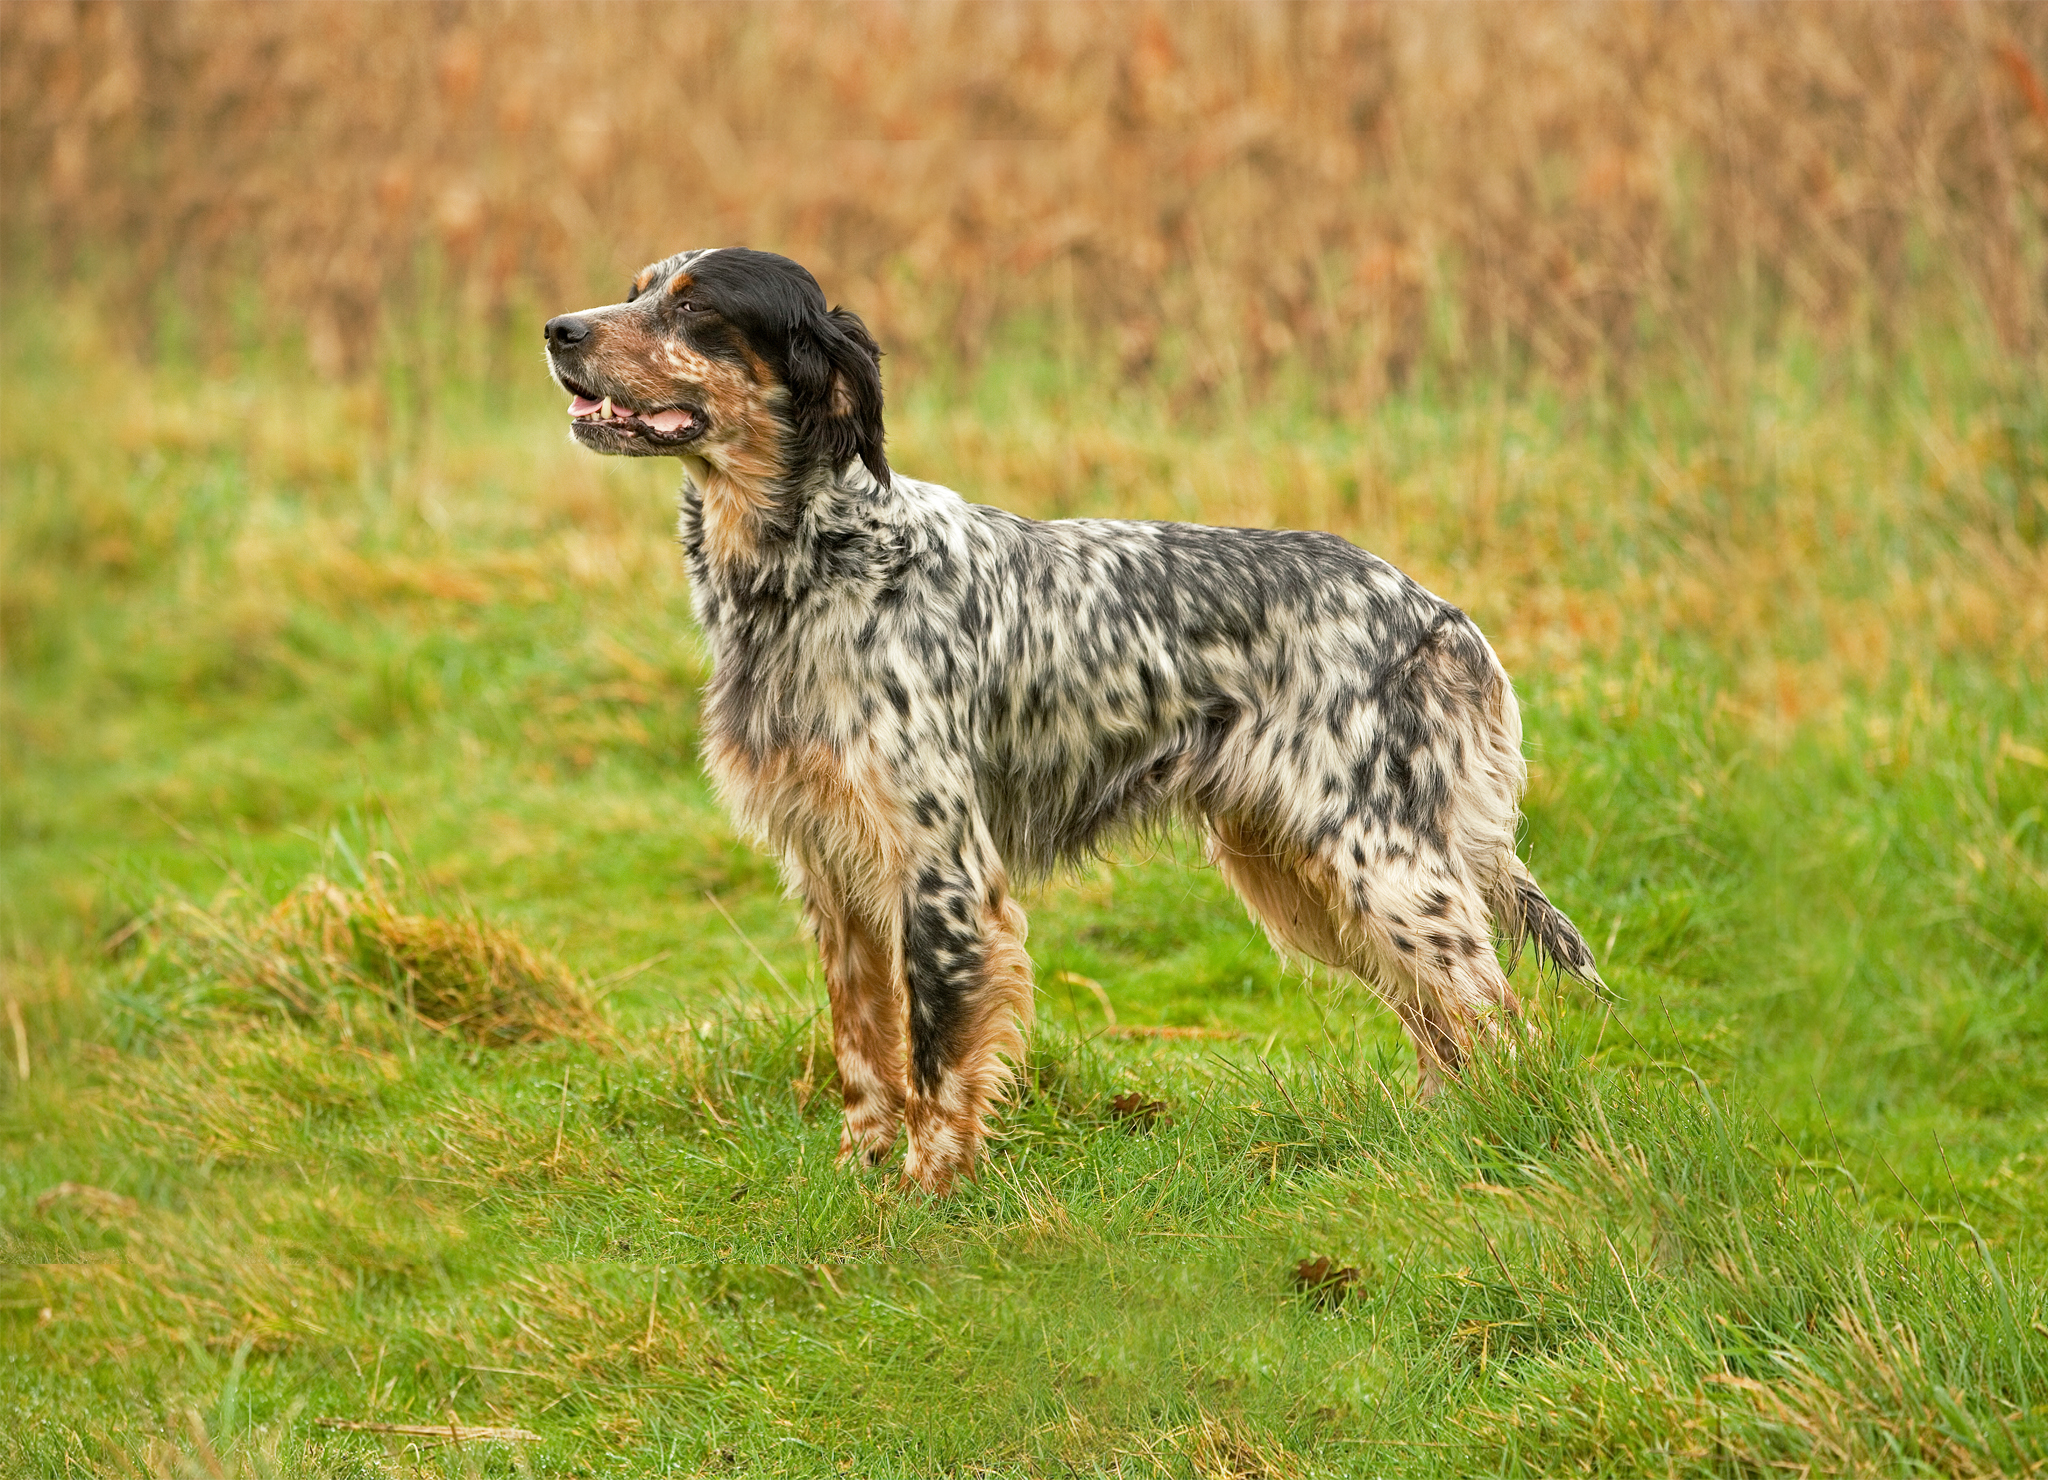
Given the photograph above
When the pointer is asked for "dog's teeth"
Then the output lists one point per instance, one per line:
(604, 409)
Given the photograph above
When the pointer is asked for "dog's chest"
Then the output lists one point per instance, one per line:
(832, 806)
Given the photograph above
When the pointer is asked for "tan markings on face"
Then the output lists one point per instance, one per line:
(741, 455)
(742, 451)
(640, 283)
(679, 282)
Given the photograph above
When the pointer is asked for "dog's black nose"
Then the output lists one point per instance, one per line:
(565, 332)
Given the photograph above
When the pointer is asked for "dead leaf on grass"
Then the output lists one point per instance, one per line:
(95, 1200)
(1326, 1282)
(444, 1433)
(1138, 1112)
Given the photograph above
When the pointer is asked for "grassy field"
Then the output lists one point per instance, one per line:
(1780, 634)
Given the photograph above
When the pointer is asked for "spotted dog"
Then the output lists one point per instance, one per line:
(917, 701)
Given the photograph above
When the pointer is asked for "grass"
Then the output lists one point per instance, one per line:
(332, 715)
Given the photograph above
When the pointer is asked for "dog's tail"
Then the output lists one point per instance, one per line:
(1529, 919)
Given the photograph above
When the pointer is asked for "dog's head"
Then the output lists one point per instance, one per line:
(729, 355)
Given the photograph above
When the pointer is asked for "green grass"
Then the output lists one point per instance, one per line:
(1781, 650)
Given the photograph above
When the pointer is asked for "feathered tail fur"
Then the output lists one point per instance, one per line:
(1527, 918)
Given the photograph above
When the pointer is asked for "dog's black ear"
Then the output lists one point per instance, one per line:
(835, 388)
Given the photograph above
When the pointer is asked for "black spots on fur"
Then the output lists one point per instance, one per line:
(1337, 712)
(899, 697)
(1036, 708)
(1400, 772)
(926, 809)
(943, 955)
(838, 555)
(1452, 945)
(1436, 905)
(1365, 775)
(1153, 687)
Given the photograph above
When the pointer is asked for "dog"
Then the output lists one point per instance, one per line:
(917, 701)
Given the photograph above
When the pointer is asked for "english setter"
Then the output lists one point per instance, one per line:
(916, 699)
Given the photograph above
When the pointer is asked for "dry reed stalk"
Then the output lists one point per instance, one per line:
(446, 1433)
(1219, 189)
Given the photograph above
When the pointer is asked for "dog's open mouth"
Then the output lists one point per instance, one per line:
(675, 424)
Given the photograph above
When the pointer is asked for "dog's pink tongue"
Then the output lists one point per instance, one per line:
(669, 421)
(583, 406)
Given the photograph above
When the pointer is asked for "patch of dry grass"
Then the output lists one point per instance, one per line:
(455, 972)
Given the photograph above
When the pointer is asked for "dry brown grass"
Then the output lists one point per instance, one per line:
(456, 973)
(1219, 189)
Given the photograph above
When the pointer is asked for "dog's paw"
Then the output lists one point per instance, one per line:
(866, 1145)
(928, 1177)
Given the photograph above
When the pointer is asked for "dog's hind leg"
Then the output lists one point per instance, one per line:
(1413, 930)
(1427, 939)
(970, 1004)
(863, 977)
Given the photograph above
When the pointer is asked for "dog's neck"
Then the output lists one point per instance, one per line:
(762, 530)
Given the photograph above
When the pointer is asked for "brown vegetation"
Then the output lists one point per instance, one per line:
(1218, 189)
(454, 973)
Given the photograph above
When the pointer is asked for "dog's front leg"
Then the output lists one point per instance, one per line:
(970, 1002)
(867, 1015)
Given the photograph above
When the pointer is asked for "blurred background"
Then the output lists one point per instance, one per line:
(382, 980)
(1207, 194)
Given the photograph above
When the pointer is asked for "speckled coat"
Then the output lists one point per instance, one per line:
(916, 700)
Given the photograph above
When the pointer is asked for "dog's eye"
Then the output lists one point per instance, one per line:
(686, 306)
